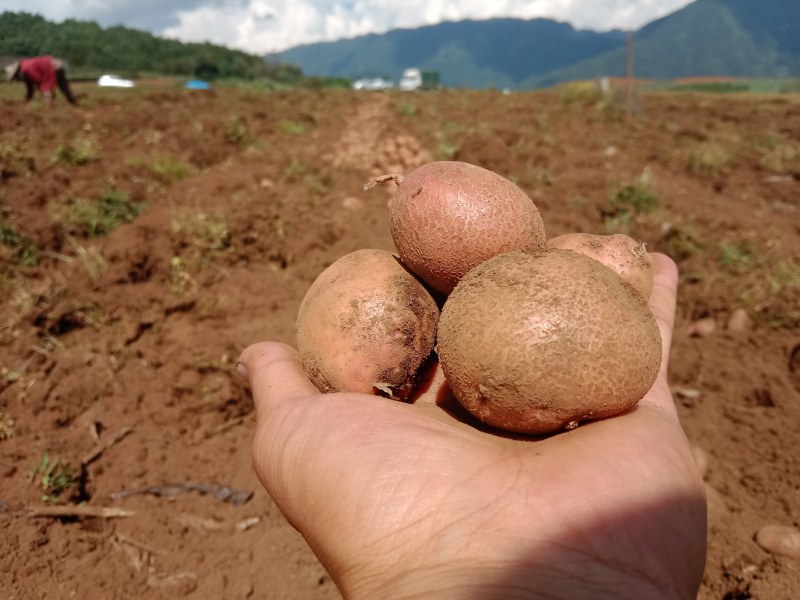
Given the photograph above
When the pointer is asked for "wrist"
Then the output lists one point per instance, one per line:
(587, 580)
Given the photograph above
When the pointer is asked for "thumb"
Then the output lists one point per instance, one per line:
(275, 374)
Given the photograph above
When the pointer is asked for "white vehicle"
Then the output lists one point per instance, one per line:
(411, 80)
(114, 81)
(374, 83)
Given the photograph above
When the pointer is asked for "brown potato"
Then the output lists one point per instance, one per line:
(623, 255)
(448, 217)
(366, 325)
(534, 343)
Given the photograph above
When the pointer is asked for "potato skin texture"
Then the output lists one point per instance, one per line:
(536, 343)
(447, 217)
(620, 253)
(366, 325)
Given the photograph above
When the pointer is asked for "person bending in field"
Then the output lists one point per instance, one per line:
(44, 72)
(408, 500)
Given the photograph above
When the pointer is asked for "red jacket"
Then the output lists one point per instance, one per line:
(41, 70)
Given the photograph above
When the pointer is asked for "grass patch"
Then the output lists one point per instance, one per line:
(99, 217)
(447, 149)
(78, 152)
(710, 158)
(236, 131)
(628, 201)
(169, 167)
(54, 478)
(778, 155)
(293, 127)
(24, 250)
(207, 232)
(738, 257)
(14, 162)
(407, 108)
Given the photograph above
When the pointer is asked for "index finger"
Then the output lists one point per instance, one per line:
(662, 302)
(275, 373)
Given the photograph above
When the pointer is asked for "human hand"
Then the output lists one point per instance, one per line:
(419, 501)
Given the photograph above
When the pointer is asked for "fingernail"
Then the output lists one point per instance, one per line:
(241, 370)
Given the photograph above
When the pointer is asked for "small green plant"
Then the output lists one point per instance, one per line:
(181, 282)
(738, 257)
(710, 158)
(627, 201)
(78, 152)
(447, 150)
(778, 155)
(295, 169)
(14, 162)
(203, 230)
(407, 108)
(25, 250)
(637, 196)
(236, 131)
(53, 477)
(683, 244)
(771, 293)
(96, 218)
(169, 167)
(293, 127)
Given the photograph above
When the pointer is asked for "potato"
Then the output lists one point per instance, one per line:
(535, 343)
(448, 217)
(366, 325)
(621, 254)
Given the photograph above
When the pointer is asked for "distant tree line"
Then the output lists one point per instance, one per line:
(90, 48)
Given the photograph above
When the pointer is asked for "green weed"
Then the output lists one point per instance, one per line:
(407, 108)
(24, 249)
(236, 131)
(628, 201)
(293, 127)
(53, 477)
(170, 168)
(447, 150)
(710, 158)
(201, 230)
(96, 218)
(78, 152)
(14, 162)
(738, 257)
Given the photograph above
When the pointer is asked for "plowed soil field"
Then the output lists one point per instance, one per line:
(150, 235)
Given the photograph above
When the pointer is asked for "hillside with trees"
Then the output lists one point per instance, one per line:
(735, 38)
(744, 38)
(90, 48)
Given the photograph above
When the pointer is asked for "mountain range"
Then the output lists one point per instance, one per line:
(707, 38)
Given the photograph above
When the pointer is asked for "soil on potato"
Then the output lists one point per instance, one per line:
(150, 235)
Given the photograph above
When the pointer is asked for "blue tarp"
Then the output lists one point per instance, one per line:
(197, 84)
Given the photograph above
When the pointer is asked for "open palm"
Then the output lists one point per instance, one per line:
(418, 500)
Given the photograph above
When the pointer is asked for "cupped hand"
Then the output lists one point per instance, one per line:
(415, 500)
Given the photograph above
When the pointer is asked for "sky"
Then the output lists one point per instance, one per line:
(262, 26)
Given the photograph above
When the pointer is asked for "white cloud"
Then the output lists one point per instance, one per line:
(267, 25)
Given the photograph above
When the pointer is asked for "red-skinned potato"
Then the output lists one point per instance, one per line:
(447, 217)
(535, 343)
(366, 325)
(623, 255)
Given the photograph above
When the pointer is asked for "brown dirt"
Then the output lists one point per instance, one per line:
(248, 197)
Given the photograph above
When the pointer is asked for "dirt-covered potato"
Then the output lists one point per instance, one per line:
(366, 325)
(534, 343)
(447, 217)
(623, 255)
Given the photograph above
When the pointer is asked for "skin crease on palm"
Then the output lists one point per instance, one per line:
(416, 500)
